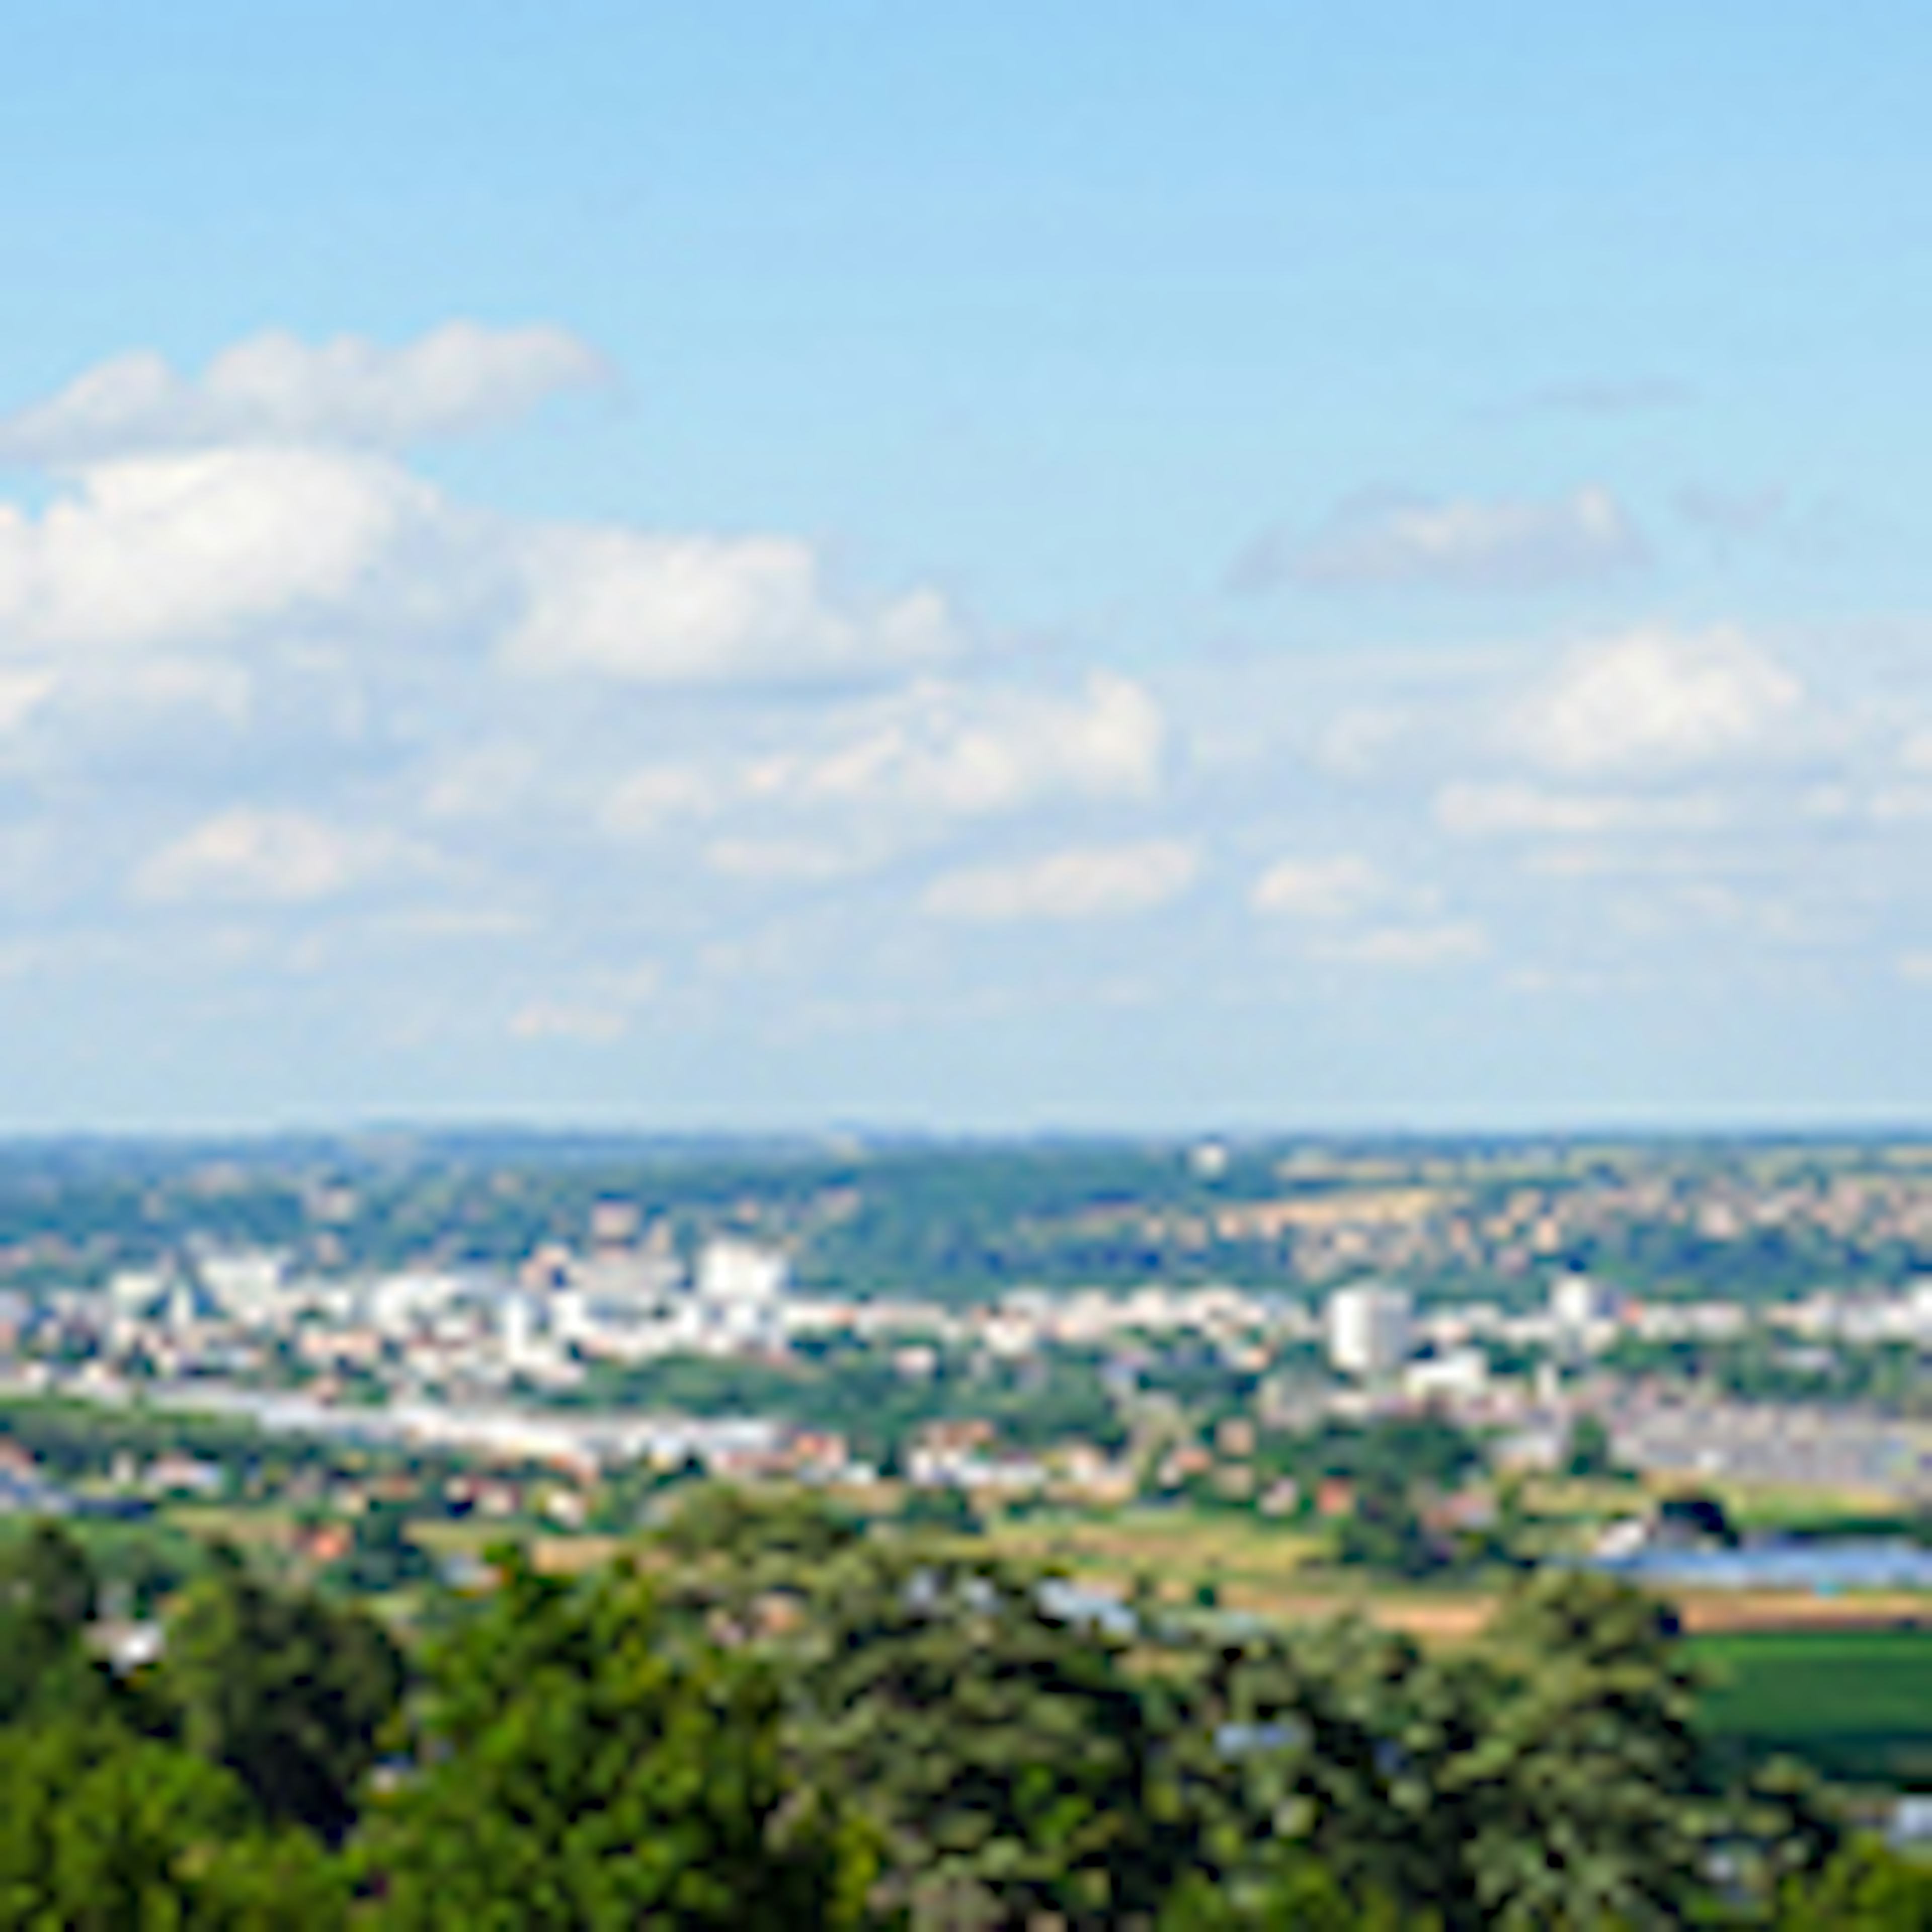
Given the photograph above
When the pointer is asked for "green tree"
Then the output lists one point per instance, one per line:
(1588, 1452)
(287, 1691)
(1383, 1530)
(1586, 1776)
(1338, 1742)
(1778, 1827)
(103, 1832)
(46, 1573)
(759, 1529)
(383, 1555)
(1547, 1778)
(1006, 1761)
(47, 1593)
(1865, 1888)
(585, 1764)
(1292, 1891)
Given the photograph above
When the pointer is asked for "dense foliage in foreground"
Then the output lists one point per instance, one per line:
(769, 1719)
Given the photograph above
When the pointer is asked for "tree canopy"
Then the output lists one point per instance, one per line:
(585, 1766)
(285, 1690)
(769, 1719)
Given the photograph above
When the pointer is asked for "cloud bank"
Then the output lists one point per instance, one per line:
(1396, 541)
(273, 388)
(278, 711)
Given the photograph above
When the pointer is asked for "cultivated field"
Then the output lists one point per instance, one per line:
(1857, 1704)
(1251, 1565)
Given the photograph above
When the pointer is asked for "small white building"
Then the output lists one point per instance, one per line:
(1457, 1372)
(246, 1283)
(740, 1272)
(135, 1293)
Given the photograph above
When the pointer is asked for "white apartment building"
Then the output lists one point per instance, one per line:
(740, 1272)
(1368, 1329)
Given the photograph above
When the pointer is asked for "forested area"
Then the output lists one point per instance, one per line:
(767, 1717)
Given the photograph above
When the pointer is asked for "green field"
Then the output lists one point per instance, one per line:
(1857, 1705)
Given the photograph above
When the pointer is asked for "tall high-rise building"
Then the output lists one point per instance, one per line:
(1368, 1329)
(1582, 1312)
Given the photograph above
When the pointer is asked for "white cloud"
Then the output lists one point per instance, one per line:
(646, 800)
(234, 506)
(190, 548)
(165, 680)
(600, 1015)
(275, 388)
(585, 1025)
(893, 767)
(1350, 913)
(1481, 810)
(1459, 543)
(490, 780)
(1894, 804)
(1408, 948)
(656, 610)
(792, 861)
(939, 748)
(1655, 699)
(1321, 889)
(1087, 882)
(1353, 744)
(22, 692)
(265, 857)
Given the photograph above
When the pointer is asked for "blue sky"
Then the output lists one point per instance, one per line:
(993, 566)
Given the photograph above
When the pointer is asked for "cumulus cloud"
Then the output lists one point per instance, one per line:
(1322, 890)
(218, 511)
(1349, 912)
(1386, 541)
(190, 548)
(1079, 883)
(582, 1023)
(275, 388)
(1410, 947)
(1478, 810)
(1355, 743)
(1892, 804)
(251, 856)
(598, 1015)
(22, 692)
(787, 861)
(1656, 700)
(487, 780)
(647, 799)
(658, 610)
(939, 747)
(934, 751)
(208, 546)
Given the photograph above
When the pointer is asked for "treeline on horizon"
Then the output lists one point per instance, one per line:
(952, 1220)
(767, 1718)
